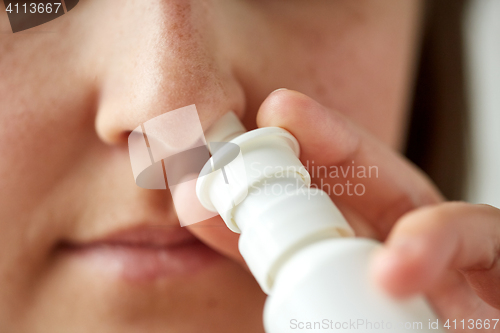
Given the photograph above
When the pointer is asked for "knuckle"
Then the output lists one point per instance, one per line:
(409, 210)
(439, 217)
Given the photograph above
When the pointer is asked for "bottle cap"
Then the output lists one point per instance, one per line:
(264, 154)
(265, 195)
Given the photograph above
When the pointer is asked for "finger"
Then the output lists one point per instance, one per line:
(215, 234)
(210, 229)
(329, 139)
(425, 244)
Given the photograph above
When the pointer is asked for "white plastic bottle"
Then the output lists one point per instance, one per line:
(296, 242)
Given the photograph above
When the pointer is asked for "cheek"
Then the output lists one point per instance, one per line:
(41, 137)
(40, 116)
(356, 58)
(41, 140)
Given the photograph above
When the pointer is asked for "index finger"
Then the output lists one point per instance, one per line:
(329, 139)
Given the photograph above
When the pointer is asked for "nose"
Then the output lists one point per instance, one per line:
(160, 57)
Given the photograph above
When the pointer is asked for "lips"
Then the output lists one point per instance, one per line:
(145, 253)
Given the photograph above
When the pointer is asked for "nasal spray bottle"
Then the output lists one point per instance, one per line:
(296, 242)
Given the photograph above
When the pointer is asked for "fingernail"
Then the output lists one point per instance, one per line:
(395, 253)
(278, 90)
(384, 261)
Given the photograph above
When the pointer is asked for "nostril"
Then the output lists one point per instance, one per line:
(123, 136)
(225, 129)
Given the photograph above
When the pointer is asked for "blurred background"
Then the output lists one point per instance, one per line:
(455, 131)
(482, 41)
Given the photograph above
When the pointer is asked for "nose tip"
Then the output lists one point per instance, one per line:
(157, 69)
(155, 142)
(117, 115)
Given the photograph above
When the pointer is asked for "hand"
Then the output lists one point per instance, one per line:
(449, 251)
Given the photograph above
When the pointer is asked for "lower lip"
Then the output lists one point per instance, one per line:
(142, 263)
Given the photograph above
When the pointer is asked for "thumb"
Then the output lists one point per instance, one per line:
(202, 223)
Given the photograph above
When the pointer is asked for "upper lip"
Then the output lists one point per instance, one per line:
(142, 236)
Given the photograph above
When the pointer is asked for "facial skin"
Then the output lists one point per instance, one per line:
(72, 90)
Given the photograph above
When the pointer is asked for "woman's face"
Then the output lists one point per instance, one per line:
(82, 248)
